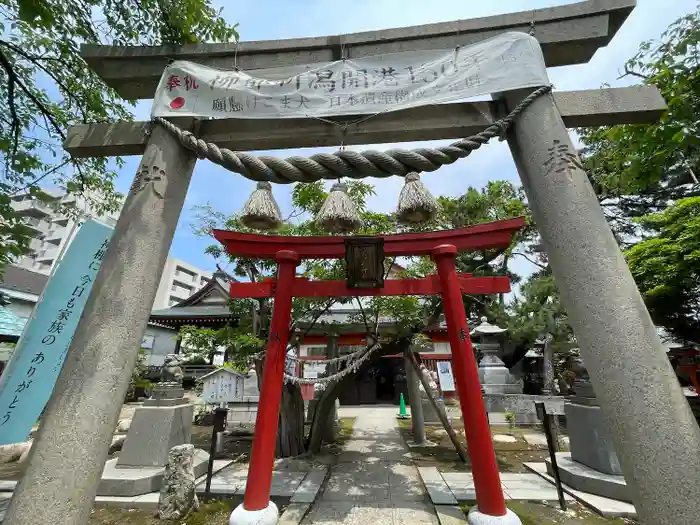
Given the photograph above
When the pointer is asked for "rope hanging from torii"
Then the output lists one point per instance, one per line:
(346, 163)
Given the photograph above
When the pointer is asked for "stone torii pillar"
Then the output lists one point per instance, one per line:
(71, 447)
(651, 424)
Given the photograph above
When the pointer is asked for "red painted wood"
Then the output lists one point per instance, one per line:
(439, 337)
(487, 482)
(345, 339)
(488, 235)
(435, 357)
(262, 454)
(303, 287)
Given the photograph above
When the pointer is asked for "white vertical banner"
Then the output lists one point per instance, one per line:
(447, 380)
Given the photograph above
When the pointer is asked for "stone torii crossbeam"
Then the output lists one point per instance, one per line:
(650, 422)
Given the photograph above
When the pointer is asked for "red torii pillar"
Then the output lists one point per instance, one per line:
(442, 247)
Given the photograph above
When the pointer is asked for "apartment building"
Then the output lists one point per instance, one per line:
(179, 281)
(51, 226)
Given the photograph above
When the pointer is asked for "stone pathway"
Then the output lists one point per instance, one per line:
(374, 480)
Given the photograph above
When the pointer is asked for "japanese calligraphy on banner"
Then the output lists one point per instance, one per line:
(353, 86)
(26, 385)
(447, 380)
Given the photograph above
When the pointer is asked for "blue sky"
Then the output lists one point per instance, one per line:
(275, 19)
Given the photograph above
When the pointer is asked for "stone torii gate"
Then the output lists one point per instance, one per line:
(650, 422)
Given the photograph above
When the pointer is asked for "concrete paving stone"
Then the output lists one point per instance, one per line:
(414, 512)
(610, 508)
(517, 476)
(462, 495)
(549, 494)
(118, 502)
(439, 492)
(607, 507)
(539, 440)
(309, 487)
(537, 468)
(293, 514)
(219, 465)
(147, 501)
(526, 484)
(372, 513)
(457, 477)
(430, 474)
(353, 492)
(330, 513)
(503, 438)
(7, 485)
(450, 515)
(405, 484)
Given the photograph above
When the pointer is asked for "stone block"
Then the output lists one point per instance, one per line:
(135, 481)
(586, 479)
(523, 403)
(242, 413)
(153, 432)
(429, 415)
(309, 487)
(293, 513)
(439, 492)
(450, 515)
(590, 442)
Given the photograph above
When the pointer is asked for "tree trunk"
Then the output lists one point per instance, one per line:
(290, 432)
(290, 428)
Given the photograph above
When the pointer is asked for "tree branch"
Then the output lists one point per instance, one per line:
(629, 72)
(530, 260)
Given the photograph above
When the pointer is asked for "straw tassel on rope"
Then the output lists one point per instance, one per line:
(261, 212)
(416, 204)
(339, 214)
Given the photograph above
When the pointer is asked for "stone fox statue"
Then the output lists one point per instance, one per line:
(171, 371)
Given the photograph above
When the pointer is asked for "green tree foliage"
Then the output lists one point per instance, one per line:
(640, 169)
(498, 200)
(537, 311)
(666, 267)
(45, 86)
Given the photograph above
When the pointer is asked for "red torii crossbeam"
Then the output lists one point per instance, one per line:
(471, 238)
(443, 247)
(302, 287)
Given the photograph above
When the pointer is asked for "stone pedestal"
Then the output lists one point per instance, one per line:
(163, 422)
(591, 444)
(591, 465)
(429, 415)
(493, 374)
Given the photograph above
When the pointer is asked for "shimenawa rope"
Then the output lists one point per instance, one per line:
(346, 163)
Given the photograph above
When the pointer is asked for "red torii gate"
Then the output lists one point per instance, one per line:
(442, 246)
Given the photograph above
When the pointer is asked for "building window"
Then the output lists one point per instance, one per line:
(442, 348)
(183, 272)
(316, 351)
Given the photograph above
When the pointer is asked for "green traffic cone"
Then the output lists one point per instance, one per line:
(402, 408)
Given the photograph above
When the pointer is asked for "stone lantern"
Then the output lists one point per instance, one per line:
(493, 374)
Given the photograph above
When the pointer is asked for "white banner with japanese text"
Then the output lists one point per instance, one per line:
(353, 86)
